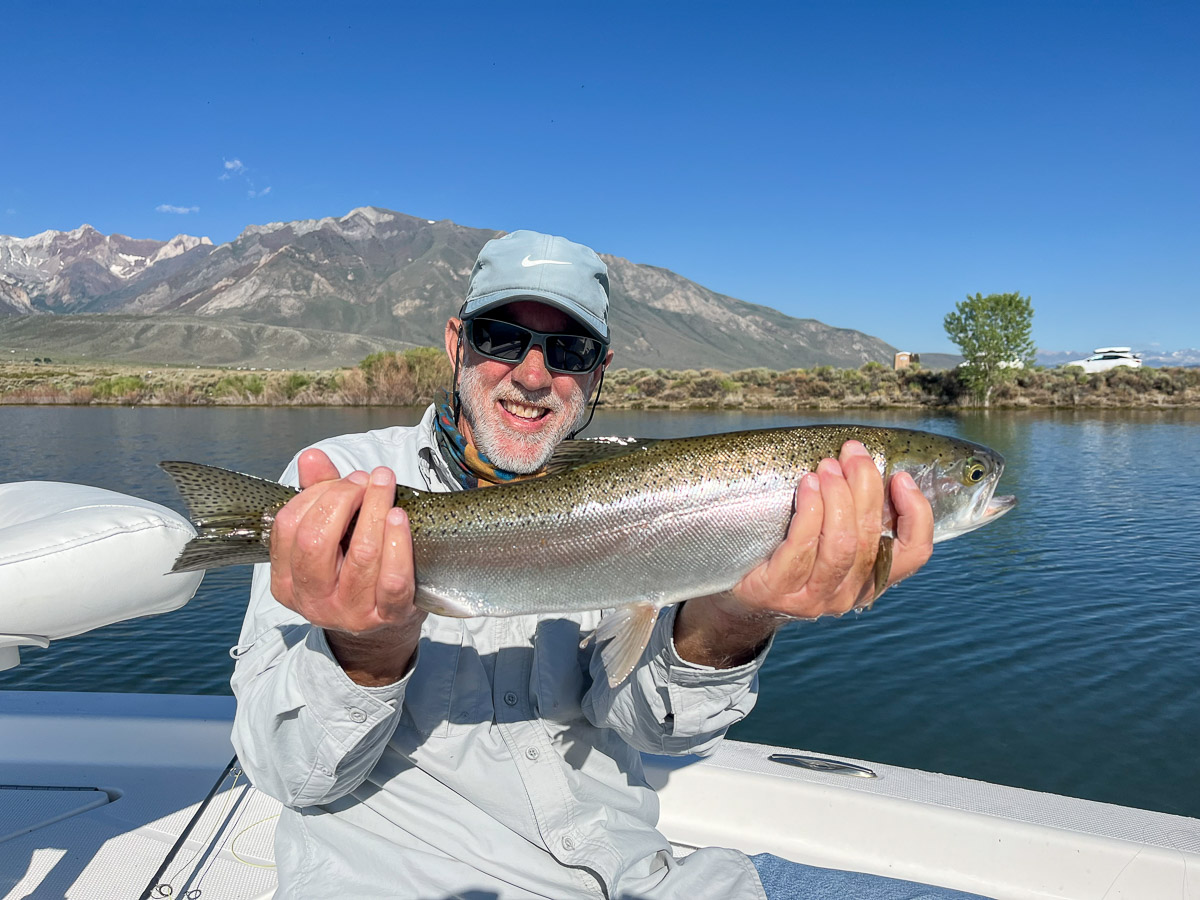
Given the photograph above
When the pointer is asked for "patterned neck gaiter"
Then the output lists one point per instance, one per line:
(467, 464)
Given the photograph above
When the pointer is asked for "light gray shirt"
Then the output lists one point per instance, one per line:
(501, 766)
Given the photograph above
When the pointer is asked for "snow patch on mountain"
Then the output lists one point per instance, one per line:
(42, 258)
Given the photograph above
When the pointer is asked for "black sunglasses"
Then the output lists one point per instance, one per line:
(572, 354)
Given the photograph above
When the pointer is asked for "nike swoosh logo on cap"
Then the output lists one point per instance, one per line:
(527, 262)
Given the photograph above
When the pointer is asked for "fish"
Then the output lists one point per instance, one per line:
(622, 524)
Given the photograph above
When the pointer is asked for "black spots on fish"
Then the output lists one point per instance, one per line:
(213, 493)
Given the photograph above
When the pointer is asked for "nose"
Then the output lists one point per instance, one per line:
(531, 373)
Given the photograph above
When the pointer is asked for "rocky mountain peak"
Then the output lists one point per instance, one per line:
(68, 269)
(13, 299)
(179, 245)
(389, 276)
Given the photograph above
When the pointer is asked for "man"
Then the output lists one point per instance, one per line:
(429, 757)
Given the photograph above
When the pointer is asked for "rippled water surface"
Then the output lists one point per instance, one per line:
(1057, 649)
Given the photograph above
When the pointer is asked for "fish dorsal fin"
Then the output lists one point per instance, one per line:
(575, 454)
(624, 634)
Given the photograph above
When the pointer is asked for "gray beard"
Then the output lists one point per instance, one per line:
(478, 406)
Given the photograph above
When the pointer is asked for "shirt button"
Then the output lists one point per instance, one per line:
(532, 753)
(568, 843)
(324, 770)
(357, 715)
(510, 698)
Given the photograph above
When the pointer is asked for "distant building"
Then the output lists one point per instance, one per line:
(905, 359)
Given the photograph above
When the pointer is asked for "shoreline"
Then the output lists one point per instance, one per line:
(414, 377)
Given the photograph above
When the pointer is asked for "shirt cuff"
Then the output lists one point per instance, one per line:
(687, 672)
(695, 691)
(345, 709)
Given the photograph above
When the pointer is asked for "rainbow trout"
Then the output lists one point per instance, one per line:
(631, 525)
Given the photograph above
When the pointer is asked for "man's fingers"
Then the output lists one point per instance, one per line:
(866, 486)
(394, 589)
(283, 540)
(314, 467)
(360, 569)
(914, 527)
(839, 535)
(319, 537)
(791, 564)
(288, 519)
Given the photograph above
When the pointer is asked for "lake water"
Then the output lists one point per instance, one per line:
(1057, 649)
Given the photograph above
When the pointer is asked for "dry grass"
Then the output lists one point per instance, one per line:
(416, 376)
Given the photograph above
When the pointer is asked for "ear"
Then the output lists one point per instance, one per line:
(453, 331)
(598, 373)
(604, 365)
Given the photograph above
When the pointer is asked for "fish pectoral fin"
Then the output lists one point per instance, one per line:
(442, 603)
(624, 633)
(881, 572)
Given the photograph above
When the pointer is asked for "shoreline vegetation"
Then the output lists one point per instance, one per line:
(414, 377)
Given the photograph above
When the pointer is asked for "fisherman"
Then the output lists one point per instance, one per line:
(419, 756)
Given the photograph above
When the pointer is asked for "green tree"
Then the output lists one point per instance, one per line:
(994, 334)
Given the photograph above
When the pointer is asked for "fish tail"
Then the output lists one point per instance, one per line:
(212, 552)
(232, 514)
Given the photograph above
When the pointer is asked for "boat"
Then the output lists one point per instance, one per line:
(140, 795)
(1105, 358)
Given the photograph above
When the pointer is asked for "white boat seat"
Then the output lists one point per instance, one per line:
(74, 558)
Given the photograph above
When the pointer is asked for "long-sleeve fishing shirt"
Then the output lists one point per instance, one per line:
(502, 765)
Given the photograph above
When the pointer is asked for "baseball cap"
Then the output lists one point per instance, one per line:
(552, 270)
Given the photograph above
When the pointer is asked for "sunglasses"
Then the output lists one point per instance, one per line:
(572, 354)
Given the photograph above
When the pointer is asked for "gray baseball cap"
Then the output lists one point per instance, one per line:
(552, 270)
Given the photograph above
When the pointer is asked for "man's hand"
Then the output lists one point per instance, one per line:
(361, 595)
(825, 565)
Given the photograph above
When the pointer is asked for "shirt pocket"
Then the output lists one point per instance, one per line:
(559, 675)
(471, 690)
(426, 704)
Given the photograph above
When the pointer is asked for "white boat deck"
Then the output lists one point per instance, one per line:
(95, 789)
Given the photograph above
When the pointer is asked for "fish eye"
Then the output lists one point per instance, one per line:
(974, 470)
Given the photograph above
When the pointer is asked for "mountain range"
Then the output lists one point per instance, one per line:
(320, 292)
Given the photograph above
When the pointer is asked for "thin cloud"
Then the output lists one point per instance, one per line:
(238, 171)
(10, 212)
(232, 167)
(178, 210)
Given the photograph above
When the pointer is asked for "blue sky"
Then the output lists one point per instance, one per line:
(865, 164)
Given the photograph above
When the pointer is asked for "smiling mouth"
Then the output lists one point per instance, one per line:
(524, 410)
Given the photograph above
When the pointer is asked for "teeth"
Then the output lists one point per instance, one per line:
(521, 410)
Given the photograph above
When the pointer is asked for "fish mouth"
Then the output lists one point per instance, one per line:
(998, 506)
(983, 510)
